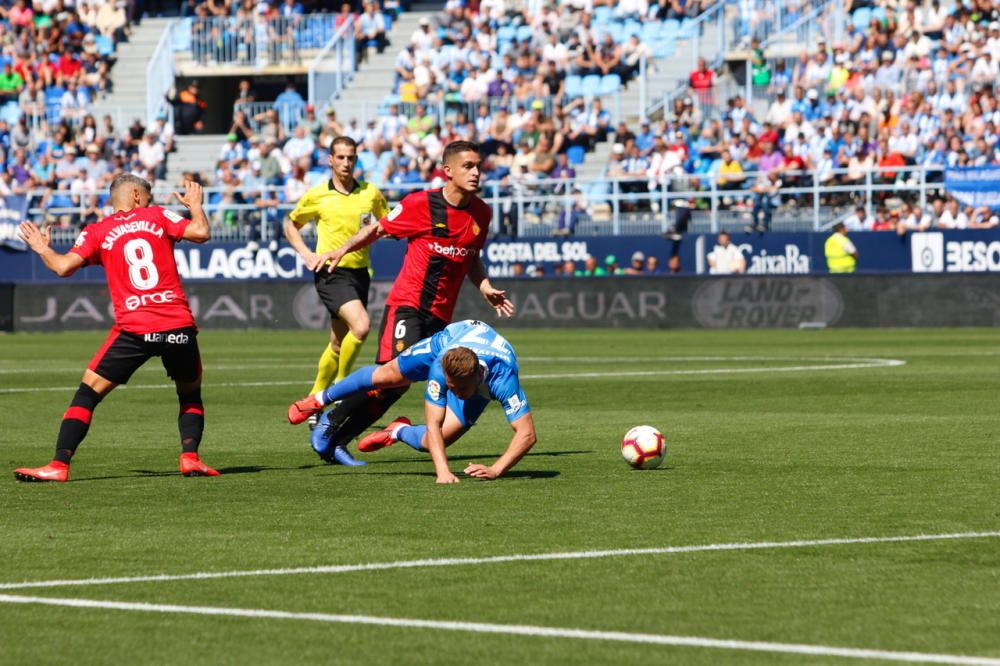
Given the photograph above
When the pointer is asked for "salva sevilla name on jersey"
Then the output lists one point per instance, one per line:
(130, 228)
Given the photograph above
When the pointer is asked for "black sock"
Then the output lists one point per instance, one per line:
(191, 421)
(76, 422)
(375, 405)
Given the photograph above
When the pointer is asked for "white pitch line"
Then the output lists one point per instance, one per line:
(853, 365)
(497, 559)
(518, 630)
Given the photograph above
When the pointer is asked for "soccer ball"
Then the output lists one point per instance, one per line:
(644, 447)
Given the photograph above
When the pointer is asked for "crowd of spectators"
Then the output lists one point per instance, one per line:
(499, 71)
(916, 86)
(55, 57)
(73, 165)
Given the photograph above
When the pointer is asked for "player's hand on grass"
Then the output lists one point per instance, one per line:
(36, 239)
(193, 195)
(481, 472)
(497, 298)
(446, 477)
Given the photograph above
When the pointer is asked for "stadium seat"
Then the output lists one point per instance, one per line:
(387, 17)
(576, 155)
(599, 192)
(651, 30)
(879, 14)
(367, 160)
(11, 112)
(525, 33)
(506, 33)
(632, 27)
(672, 26)
(663, 48)
(688, 28)
(610, 84)
(182, 35)
(591, 85)
(602, 14)
(861, 18)
(574, 86)
(105, 45)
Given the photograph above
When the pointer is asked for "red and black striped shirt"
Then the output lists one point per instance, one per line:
(444, 241)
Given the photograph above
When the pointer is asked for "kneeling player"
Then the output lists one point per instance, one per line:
(466, 365)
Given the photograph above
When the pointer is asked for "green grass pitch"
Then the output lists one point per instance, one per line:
(764, 446)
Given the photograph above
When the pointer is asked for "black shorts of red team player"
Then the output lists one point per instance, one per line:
(402, 327)
(123, 353)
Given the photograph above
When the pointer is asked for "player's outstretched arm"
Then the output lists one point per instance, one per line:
(497, 298)
(193, 199)
(62, 265)
(524, 438)
(367, 235)
(435, 442)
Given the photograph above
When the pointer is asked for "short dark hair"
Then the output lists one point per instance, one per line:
(126, 179)
(456, 147)
(343, 140)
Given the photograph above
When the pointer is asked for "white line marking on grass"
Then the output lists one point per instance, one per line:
(497, 559)
(516, 630)
(844, 364)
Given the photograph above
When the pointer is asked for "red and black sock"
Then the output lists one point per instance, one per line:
(76, 422)
(191, 421)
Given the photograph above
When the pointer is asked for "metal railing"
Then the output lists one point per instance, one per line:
(289, 113)
(253, 41)
(774, 20)
(540, 207)
(334, 67)
(713, 51)
(160, 77)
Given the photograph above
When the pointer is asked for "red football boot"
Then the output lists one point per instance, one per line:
(191, 465)
(382, 438)
(54, 471)
(301, 410)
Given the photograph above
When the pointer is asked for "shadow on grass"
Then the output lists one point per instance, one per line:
(452, 458)
(224, 471)
(516, 474)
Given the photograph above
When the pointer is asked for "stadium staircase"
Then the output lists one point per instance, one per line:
(663, 75)
(127, 100)
(373, 81)
(195, 153)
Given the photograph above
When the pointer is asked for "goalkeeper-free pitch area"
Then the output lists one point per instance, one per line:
(829, 497)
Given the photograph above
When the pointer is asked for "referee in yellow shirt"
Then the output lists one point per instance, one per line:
(340, 207)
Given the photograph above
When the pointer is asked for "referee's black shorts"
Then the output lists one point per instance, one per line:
(342, 285)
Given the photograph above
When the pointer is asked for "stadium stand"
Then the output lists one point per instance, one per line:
(886, 99)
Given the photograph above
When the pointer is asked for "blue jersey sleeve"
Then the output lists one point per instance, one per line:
(508, 392)
(436, 391)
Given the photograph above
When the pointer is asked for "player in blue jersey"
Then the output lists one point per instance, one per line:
(466, 365)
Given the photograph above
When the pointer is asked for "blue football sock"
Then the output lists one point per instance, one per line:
(412, 436)
(359, 380)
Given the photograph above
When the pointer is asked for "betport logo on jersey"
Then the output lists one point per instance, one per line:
(451, 250)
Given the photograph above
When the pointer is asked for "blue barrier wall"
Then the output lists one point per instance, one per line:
(976, 251)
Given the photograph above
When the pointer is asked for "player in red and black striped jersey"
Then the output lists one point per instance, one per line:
(135, 246)
(446, 231)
